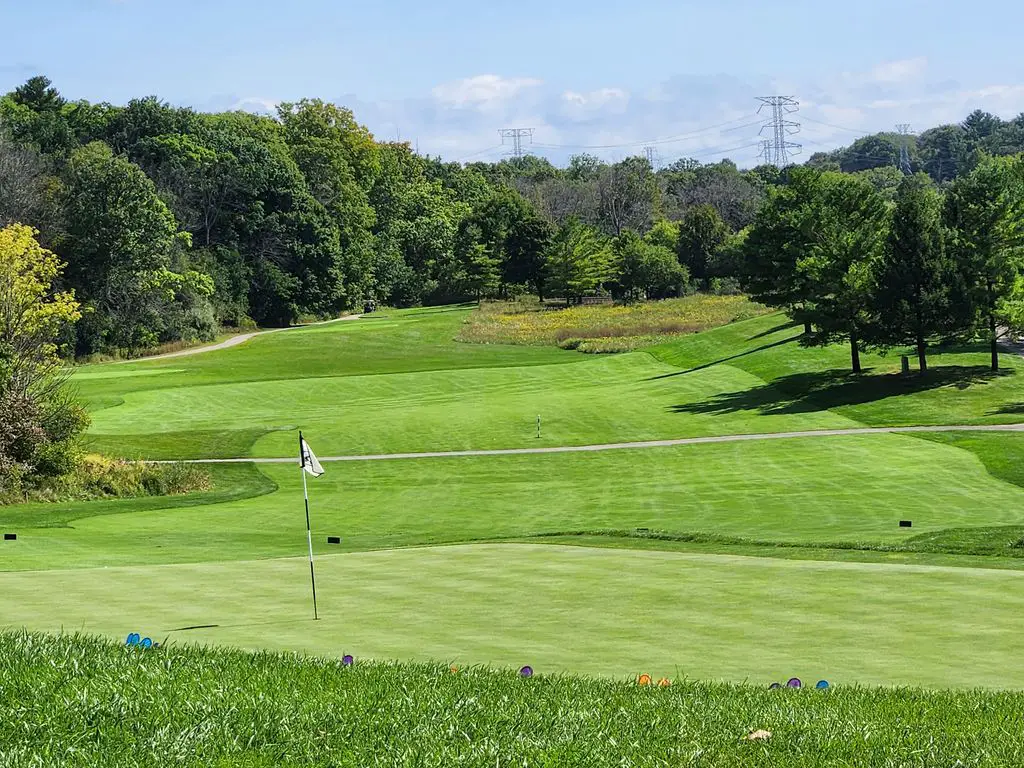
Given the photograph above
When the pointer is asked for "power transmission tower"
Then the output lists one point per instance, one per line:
(653, 159)
(517, 135)
(778, 148)
(904, 131)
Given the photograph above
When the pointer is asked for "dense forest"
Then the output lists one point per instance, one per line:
(174, 223)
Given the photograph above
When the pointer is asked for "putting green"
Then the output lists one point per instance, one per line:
(602, 612)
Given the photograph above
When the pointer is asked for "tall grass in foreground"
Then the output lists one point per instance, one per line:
(603, 327)
(76, 701)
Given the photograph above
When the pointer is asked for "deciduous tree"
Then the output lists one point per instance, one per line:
(39, 423)
(845, 230)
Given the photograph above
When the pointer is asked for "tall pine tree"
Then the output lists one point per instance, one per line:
(984, 213)
(919, 293)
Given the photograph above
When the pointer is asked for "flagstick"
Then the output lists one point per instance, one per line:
(309, 533)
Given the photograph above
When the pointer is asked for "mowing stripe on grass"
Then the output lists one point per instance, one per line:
(593, 611)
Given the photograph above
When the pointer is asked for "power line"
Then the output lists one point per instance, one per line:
(717, 151)
(776, 150)
(651, 153)
(517, 135)
(847, 152)
(655, 142)
(481, 152)
(837, 127)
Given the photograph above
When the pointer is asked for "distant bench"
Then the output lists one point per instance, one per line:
(586, 301)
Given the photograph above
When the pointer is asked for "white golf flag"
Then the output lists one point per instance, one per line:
(309, 461)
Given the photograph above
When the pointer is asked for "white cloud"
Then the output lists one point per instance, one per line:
(257, 104)
(900, 71)
(707, 117)
(596, 99)
(482, 91)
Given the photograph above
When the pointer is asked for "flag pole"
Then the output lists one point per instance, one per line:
(309, 532)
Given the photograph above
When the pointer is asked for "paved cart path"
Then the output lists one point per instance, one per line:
(631, 446)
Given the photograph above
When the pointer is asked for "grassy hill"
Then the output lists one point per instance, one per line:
(733, 561)
(196, 707)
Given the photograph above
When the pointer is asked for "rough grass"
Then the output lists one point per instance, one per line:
(232, 482)
(606, 327)
(75, 701)
(99, 477)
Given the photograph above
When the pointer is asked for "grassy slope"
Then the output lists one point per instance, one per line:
(426, 392)
(592, 611)
(837, 489)
(193, 707)
(845, 490)
(236, 482)
(403, 342)
(959, 388)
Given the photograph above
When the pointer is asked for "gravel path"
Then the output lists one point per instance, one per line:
(627, 446)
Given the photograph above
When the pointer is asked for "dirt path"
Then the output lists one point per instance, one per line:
(234, 341)
(629, 446)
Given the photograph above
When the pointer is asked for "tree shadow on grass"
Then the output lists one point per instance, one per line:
(712, 364)
(1010, 409)
(785, 326)
(824, 390)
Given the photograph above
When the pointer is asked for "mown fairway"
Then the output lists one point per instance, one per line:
(824, 490)
(396, 385)
(400, 383)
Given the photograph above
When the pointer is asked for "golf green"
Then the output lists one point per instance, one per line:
(601, 612)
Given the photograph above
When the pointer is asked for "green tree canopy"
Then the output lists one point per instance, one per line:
(41, 424)
(920, 292)
(701, 233)
(984, 214)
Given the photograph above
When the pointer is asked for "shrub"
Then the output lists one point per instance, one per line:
(99, 477)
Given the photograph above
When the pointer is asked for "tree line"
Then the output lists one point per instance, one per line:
(173, 223)
(930, 265)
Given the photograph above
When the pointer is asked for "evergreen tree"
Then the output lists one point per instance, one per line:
(984, 213)
(845, 230)
(919, 293)
(778, 239)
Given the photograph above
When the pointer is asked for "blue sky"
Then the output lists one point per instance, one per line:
(605, 74)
